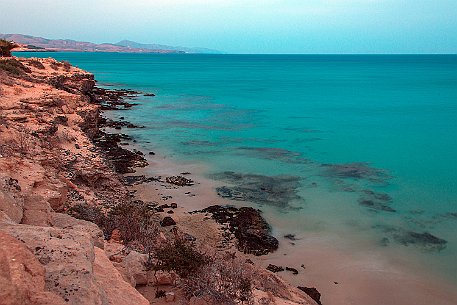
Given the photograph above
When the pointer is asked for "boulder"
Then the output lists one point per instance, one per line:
(162, 278)
(22, 276)
(169, 296)
(13, 207)
(167, 221)
(67, 257)
(134, 264)
(115, 289)
(313, 293)
(65, 221)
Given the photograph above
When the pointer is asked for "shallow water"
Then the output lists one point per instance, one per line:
(358, 148)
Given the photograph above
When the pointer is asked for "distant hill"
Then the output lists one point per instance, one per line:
(136, 45)
(32, 43)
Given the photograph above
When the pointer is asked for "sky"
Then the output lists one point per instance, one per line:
(245, 26)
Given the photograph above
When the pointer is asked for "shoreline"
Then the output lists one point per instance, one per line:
(55, 161)
(361, 279)
(324, 264)
(373, 273)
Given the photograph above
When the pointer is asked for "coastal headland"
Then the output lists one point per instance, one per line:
(81, 224)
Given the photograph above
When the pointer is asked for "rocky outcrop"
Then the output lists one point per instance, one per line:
(22, 276)
(248, 226)
(48, 163)
(115, 289)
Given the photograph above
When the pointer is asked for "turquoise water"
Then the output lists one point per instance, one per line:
(369, 142)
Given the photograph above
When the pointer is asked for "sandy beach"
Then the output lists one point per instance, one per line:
(343, 276)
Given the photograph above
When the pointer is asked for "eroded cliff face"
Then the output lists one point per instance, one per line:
(47, 164)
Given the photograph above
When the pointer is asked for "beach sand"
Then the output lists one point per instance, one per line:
(343, 275)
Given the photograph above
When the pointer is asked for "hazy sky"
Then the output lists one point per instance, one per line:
(246, 26)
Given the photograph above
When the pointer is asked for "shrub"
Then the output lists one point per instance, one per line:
(88, 212)
(36, 63)
(13, 66)
(225, 280)
(66, 65)
(6, 47)
(179, 256)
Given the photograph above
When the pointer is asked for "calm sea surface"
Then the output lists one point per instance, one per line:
(355, 147)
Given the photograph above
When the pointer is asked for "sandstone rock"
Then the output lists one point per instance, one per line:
(116, 236)
(11, 206)
(65, 221)
(135, 262)
(36, 211)
(162, 278)
(116, 290)
(169, 296)
(22, 276)
(67, 256)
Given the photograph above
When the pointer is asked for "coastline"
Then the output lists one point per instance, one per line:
(55, 161)
(324, 264)
(360, 278)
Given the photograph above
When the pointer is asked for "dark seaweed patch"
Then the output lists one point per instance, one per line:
(425, 240)
(376, 205)
(376, 201)
(275, 154)
(355, 170)
(278, 191)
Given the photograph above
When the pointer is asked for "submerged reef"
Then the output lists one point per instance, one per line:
(279, 191)
(355, 170)
(424, 241)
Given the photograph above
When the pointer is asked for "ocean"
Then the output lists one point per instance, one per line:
(360, 149)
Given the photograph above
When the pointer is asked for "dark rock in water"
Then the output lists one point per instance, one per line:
(278, 191)
(170, 212)
(179, 180)
(378, 196)
(274, 268)
(185, 173)
(151, 153)
(149, 94)
(134, 180)
(279, 154)
(112, 99)
(356, 170)
(174, 205)
(122, 159)
(248, 226)
(452, 214)
(313, 293)
(290, 236)
(375, 205)
(167, 221)
(425, 240)
(293, 270)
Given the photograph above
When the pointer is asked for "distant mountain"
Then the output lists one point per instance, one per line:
(137, 45)
(32, 43)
